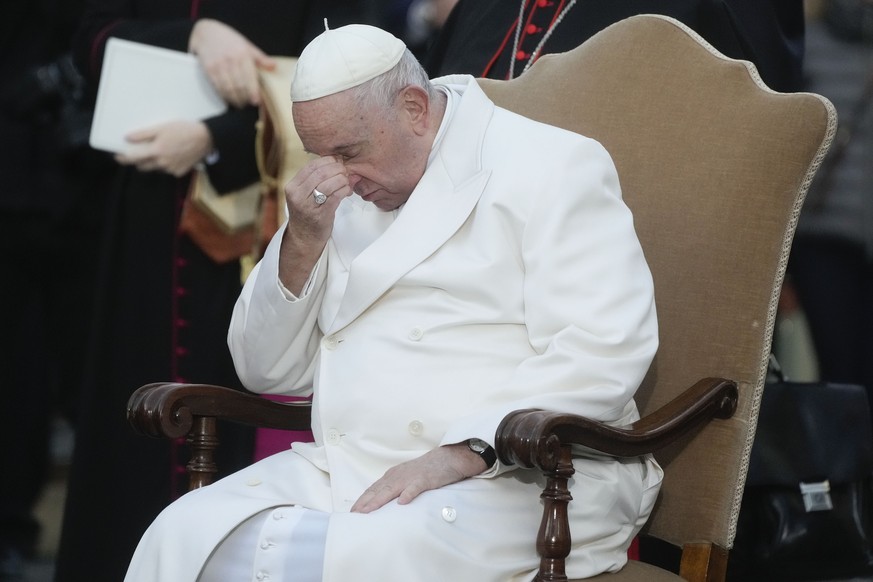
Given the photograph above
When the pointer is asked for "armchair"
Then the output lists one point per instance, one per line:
(715, 167)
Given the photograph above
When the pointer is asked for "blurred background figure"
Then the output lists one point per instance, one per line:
(50, 217)
(499, 39)
(416, 22)
(162, 305)
(831, 265)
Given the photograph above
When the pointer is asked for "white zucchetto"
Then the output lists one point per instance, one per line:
(343, 58)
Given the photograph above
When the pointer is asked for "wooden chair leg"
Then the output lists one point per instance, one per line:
(203, 440)
(703, 563)
(553, 540)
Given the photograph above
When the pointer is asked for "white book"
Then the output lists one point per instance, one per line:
(141, 86)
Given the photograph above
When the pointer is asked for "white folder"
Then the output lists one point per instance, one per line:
(141, 86)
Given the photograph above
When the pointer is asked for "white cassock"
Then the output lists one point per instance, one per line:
(512, 278)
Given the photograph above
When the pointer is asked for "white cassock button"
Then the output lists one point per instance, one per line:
(416, 334)
(416, 428)
(262, 575)
(278, 514)
(449, 513)
(253, 482)
(265, 545)
(333, 437)
(330, 342)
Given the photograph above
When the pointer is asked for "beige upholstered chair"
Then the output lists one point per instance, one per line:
(715, 167)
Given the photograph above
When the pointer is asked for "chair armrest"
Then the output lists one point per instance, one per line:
(543, 440)
(533, 438)
(168, 409)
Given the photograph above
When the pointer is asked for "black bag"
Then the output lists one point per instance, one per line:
(806, 510)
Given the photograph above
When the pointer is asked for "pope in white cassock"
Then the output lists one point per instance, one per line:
(445, 262)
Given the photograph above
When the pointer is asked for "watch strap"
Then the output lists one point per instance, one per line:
(485, 451)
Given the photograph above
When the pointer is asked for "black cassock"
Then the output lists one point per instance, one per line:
(479, 36)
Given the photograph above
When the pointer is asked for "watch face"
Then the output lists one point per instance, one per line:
(477, 445)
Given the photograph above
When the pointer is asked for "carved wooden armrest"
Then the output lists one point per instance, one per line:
(540, 439)
(177, 410)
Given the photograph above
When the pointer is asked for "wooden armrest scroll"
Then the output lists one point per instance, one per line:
(178, 410)
(533, 438)
(541, 439)
(168, 410)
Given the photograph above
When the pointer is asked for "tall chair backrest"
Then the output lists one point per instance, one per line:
(715, 167)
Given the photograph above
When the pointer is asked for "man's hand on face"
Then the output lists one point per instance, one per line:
(310, 223)
(437, 468)
(308, 218)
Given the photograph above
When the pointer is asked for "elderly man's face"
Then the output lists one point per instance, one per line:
(384, 156)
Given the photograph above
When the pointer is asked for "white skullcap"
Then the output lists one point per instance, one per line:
(343, 58)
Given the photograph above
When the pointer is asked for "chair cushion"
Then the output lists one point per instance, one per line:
(635, 571)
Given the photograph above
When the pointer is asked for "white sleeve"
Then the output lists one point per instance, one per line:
(271, 358)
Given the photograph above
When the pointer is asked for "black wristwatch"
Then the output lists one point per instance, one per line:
(484, 450)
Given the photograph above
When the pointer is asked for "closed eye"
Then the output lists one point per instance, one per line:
(347, 152)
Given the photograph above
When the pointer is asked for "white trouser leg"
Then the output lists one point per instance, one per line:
(284, 544)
